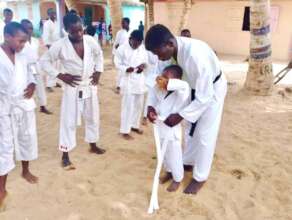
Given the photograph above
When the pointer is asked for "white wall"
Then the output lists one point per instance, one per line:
(219, 23)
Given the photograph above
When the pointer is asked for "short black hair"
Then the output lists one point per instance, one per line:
(127, 20)
(137, 35)
(25, 21)
(12, 28)
(185, 30)
(69, 19)
(91, 30)
(157, 36)
(7, 10)
(73, 11)
(176, 70)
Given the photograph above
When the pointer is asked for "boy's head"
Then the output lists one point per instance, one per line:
(73, 26)
(91, 30)
(160, 41)
(27, 25)
(73, 11)
(8, 15)
(186, 33)
(52, 14)
(125, 23)
(15, 36)
(136, 39)
(173, 72)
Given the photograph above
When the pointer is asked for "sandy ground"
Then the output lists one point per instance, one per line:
(250, 179)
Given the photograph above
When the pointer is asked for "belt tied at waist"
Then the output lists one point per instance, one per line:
(193, 97)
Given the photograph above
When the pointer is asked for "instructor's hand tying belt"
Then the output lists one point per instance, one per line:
(69, 79)
(173, 119)
(28, 92)
(151, 114)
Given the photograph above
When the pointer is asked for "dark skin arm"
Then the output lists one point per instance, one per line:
(130, 70)
(117, 46)
(69, 79)
(173, 119)
(28, 92)
(141, 68)
(151, 114)
(95, 78)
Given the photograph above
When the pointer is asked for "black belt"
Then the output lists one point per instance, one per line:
(193, 97)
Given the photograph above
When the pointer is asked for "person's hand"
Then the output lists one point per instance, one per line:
(95, 78)
(141, 68)
(162, 82)
(48, 46)
(151, 114)
(69, 79)
(28, 92)
(117, 46)
(130, 70)
(173, 119)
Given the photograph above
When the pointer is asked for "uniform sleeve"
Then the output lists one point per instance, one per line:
(177, 85)
(204, 92)
(31, 71)
(119, 60)
(46, 34)
(117, 40)
(152, 99)
(98, 57)
(49, 57)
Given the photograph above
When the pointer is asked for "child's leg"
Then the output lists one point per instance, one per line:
(144, 121)
(137, 113)
(91, 118)
(126, 115)
(6, 154)
(26, 148)
(175, 163)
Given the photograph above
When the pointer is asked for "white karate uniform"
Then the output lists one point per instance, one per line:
(165, 103)
(122, 37)
(31, 50)
(17, 116)
(2, 25)
(132, 85)
(201, 67)
(73, 106)
(51, 34)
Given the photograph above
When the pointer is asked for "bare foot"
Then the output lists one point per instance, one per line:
(188, 168)
(43, 109)
(127, 137)
(67, 165)
(29, 177)
(193, 187)
(3, 197)
(95, 149)
(173, 186)
(58, 85)
(137, 131)
(165, 178)
(144, 121)
(117, 91)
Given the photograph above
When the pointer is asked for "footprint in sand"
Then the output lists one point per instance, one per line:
(237, 173)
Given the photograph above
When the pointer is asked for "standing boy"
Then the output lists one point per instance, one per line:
(82, 61)
(130, 60)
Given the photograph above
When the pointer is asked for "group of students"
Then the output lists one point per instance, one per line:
(182, 77)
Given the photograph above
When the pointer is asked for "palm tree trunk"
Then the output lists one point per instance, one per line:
(71, 4)
(115, 7)
(185, 14)
(151, 12)
(259, 80)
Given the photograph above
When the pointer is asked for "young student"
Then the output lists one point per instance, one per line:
(17, 117)
(31, 50)
(203, 115)
(122, 37)
(130, 60)
(8, 16)
(91, 31)
(186, 33)
(82, 60)
(171, 95)
(51, 34)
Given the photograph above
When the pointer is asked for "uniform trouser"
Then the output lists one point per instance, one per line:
(89, 109)
(131, 112)
(52, 80)
(199, 149)
(40, 90)
(17, 135)
(119, 78)
(173, 162)
(145, 106)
